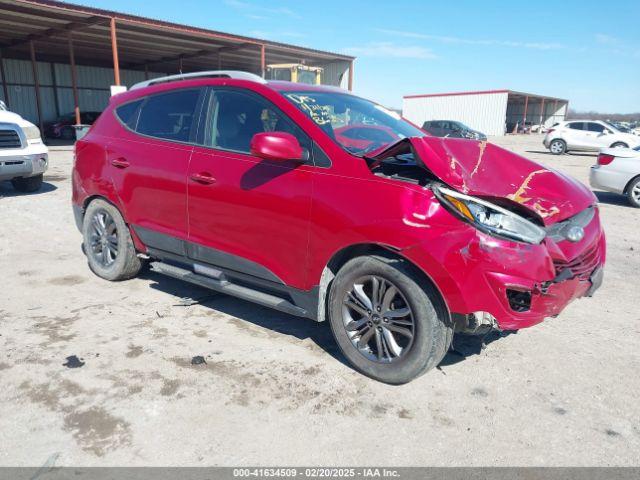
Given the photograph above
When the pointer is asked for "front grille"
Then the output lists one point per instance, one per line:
(9, 139)
(583, 264)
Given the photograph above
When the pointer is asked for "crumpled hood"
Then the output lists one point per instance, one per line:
(487, 170)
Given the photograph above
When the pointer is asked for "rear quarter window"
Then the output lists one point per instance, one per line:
(128, 113)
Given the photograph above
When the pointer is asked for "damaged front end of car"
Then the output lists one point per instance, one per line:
(518, 242)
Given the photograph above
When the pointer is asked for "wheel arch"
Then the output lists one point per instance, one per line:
(85, 203)
(342, 256)
(626, 187)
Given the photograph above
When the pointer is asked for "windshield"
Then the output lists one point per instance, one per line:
(612, 126)
(357, 125)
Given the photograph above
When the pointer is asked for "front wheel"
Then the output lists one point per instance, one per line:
(108, 244)
(386, 321)
(619, 145)
(633, 193)
(557, 147)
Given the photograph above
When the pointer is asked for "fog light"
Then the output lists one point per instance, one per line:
(519, 301)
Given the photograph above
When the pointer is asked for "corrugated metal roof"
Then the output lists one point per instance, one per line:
(485, 92)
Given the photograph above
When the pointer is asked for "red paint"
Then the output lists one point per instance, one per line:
(292, 218)
(278, 146)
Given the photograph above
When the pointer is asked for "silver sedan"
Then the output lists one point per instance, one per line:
(618, 171)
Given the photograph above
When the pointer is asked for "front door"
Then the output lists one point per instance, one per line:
(247, 214)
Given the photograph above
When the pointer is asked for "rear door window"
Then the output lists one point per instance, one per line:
(595, 127)
(576, 126)
(169, 116)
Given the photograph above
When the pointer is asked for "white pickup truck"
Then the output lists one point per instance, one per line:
(23, 155)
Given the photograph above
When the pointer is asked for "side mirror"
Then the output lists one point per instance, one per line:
(276, 146)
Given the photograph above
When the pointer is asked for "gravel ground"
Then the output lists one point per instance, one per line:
(274, 390)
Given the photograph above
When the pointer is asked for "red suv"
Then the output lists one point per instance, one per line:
(252, 188)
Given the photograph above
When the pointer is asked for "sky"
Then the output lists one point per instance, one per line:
(585, 51)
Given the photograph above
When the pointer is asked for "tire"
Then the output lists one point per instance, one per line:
(619, 145)
(430, 327)
(27, 184)
(633, 193)
(67, 133)
(111, 255)
(557, 146)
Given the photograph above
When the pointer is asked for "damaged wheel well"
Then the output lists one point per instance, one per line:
(343, 256)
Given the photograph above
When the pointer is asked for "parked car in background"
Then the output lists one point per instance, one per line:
(62, 127)
(451, 128)
(23, 156)
(253, 188)
(586, 135)
(618, 171)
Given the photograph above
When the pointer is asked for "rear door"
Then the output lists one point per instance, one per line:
(248, 215)
(148, 163)
(576, 136)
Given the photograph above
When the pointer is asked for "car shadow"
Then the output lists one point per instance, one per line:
(464, 346)
(300, 328)
(319, 333)
(611, 198)
(572, 154)
(6, 190)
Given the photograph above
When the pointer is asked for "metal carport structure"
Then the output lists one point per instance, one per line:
(59, 39)
(494, 112)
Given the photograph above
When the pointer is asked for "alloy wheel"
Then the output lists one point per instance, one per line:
(635, 192)
(378, 319)
(103, 239)
(556, 147)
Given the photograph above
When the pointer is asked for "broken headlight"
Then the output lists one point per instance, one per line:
(489, 218)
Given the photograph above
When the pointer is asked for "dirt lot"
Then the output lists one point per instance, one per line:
(274, 390)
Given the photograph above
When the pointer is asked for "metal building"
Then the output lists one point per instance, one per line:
(493, 112)
(57, 57)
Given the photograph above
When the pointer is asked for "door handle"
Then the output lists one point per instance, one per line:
(120, 162)
(204, 178)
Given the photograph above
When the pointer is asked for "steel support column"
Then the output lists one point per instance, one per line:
(74, 81)
(524, 117)
(555, 110)
(351, 75)
(36, 82)
(114, 50)
(263, 61)
(541, 112)
(5, 87)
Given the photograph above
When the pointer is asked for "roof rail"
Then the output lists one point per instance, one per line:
(235, 74)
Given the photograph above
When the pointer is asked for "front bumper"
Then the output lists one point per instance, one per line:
(23, 165)
(518, 284)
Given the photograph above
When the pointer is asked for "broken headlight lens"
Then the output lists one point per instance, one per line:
(490, 218)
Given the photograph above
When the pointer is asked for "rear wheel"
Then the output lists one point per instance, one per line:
(108, 244)
(27, 184)
(389, 326)
(633, 193)
(557, 146)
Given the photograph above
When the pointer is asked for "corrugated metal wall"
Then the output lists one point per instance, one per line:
(336, 74)
(483, 112)
(93, 87)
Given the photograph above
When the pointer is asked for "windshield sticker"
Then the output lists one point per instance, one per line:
(318, 113)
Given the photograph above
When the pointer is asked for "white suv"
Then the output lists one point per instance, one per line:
(23, 156)
(586, 135)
